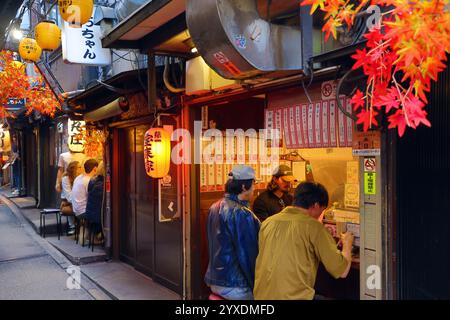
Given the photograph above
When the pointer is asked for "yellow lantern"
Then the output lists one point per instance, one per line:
(48, 35)
(29, 50)
(76, 12)
(157, 152)
(5, 141)
(18, 65)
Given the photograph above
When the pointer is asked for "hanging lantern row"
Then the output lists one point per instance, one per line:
(48, 34)
(157, 152)
(76, 12)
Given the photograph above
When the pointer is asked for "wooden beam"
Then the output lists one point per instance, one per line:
(164, 32)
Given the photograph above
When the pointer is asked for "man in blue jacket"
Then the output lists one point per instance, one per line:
(232, 231)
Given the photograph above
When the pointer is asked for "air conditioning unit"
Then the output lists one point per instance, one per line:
(200, 78)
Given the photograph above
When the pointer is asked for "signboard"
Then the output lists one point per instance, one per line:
(319, 124)
(84, 46)
(370, 183)
(14, 104)
(366, 143)
(168, 203)
(328, 90)
(370, 165)
(75, 129)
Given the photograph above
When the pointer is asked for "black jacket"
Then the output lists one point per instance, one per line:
(95, 199)
(267, 204)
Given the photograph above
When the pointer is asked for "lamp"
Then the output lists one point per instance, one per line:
(157, 152)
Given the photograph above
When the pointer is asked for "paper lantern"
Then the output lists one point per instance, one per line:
(29, 50)
(5, 141)
(18, 65)
(76, 12)
(157, 152)
(48, 35)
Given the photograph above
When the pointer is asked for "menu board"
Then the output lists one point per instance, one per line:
(320, 124)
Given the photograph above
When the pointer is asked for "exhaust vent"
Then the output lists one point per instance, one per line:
(238, 43)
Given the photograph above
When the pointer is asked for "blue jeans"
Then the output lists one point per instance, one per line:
(233, 293)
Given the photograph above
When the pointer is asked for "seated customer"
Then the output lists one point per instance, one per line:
(95, 199)
(73, 170)
(80, 188)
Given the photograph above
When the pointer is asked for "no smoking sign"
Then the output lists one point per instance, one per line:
(370, 165)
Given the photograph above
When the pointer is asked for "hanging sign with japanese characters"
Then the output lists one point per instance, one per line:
(84, 46)
(76, 142)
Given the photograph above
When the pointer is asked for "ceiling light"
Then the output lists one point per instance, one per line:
(17, 34)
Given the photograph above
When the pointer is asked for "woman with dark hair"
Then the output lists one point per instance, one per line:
(232, 231)
(94, 203)
(72, 171)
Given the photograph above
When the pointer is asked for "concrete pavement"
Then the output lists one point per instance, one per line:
(28, 270)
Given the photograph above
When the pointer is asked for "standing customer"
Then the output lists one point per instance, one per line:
(232, 231)
(293, 243)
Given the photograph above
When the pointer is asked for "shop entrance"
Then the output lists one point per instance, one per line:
(152, 247)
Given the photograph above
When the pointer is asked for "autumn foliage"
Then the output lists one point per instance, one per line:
(15, 83)
(405, 51)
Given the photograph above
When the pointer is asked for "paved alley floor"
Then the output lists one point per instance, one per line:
(27, 271)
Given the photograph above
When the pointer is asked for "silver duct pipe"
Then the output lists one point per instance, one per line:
(238, 43)
(124, 8)
(112, 109)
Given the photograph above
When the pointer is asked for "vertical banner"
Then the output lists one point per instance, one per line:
(305, 125)
(286, 129)
(311, 141)
(318, 124)
(203, 177)
(211, 181)
(333, 131)
(220, 186)
(342, 126)
(325, 125)
(292, 127)
(298, 126)
(349, 123)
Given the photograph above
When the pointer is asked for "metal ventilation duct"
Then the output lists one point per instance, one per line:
(237, 43)
(124, 8)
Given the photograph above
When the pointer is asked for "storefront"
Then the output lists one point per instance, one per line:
(319, 143)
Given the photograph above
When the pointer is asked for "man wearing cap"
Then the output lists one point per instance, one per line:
(277, 196)
(232, 231)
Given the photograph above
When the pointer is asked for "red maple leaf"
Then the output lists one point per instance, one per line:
(367, 118)
(389, 101)
(361, 58)
(397, 120)
(358, 100)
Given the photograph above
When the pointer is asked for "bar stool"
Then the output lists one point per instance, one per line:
(42, 225)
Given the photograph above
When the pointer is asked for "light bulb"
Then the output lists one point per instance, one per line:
(17, 34)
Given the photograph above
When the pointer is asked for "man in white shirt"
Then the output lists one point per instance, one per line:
(80, 187)
(64, 160)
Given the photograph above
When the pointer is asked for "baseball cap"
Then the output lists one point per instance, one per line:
(285, 172)
(242, 172)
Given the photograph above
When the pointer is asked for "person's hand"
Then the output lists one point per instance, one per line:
(58, 188)
(347, 239)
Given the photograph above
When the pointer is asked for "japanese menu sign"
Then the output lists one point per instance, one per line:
(319, 124)
(76, 142)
